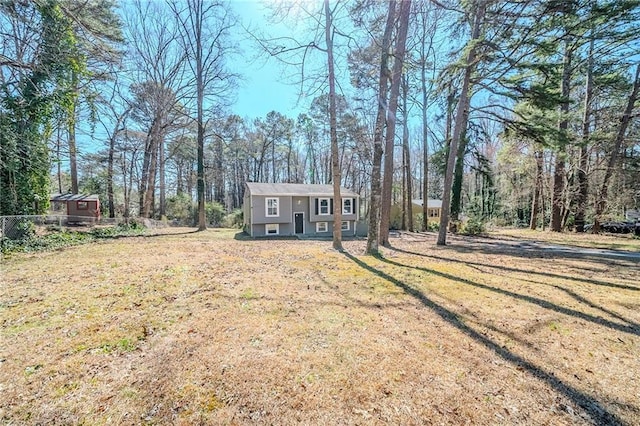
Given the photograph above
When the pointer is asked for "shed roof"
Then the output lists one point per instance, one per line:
(431, 204)
(74, 197)
(296, 189)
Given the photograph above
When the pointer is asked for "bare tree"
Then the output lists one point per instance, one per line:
(333, 129)
(376, 187)
(396, 78)
(158, 60)
(625, 119)
(204, 30)
(114, 123)
(407, 217)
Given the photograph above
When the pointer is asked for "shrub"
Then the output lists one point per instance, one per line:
(60, 239)
(123, 229)
(215, 213)
(180, 208)
(473, 226)
(233, 219)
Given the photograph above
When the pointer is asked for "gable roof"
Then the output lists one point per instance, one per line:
(431, 204)
(296, 189)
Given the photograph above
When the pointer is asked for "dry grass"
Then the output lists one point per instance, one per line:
(189, 328)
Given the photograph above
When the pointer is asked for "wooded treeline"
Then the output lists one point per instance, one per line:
(518, 112)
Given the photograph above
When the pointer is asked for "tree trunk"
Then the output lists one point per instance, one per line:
(458, 174)
(197, 17)
(58, 162)
(407, 157)
(460, 124)
(110, 196)
(583, 182)
(333, 132)
(425, 144)
(372, 238)
(73, 149)
(142, 185)
(557, 205)
(537, 190)
(218, 170)
(403, 204)
(125, 185)
(162, 178)
(111, 164)
(601, 204)
(149, 204)
(396, 77)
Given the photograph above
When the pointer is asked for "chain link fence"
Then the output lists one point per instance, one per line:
(20, 227)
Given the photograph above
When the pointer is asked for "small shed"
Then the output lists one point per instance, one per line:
(79, 207)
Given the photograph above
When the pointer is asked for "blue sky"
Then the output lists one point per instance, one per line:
(265, 85)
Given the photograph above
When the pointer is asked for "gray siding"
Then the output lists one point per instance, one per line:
(258, 210)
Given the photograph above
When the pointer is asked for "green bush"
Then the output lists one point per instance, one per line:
(473, 226)
(180, 208)
(123, 229)
(60, 239)
(233, 219)
(51, 241)
(215, 213)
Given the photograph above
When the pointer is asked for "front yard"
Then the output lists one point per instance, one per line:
(214, 328)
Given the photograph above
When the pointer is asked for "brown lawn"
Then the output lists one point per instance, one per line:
(212, 328)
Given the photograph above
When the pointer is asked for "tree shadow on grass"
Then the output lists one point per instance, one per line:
(523, 271)
(589, 303)
(535, 250)
(599, 414)
(631, 328)
(163, 234)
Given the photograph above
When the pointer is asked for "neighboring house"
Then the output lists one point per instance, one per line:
(434, 210)
(296, 209)
(78, 207)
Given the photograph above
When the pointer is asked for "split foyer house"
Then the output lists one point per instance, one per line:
(296, 209)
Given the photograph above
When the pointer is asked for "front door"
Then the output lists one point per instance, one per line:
(298, 218)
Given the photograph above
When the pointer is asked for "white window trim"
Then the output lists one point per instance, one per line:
(328, 213)
(266, 207)
(266, 228)
(326, 226)
(345, 222)
(344, 211)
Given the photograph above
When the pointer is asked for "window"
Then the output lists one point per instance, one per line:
(347, 206)
(83, 205)
(434, 213)
(324, 206)
(345, 225)
(272, 207)
(272, 229)
(322, 227)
